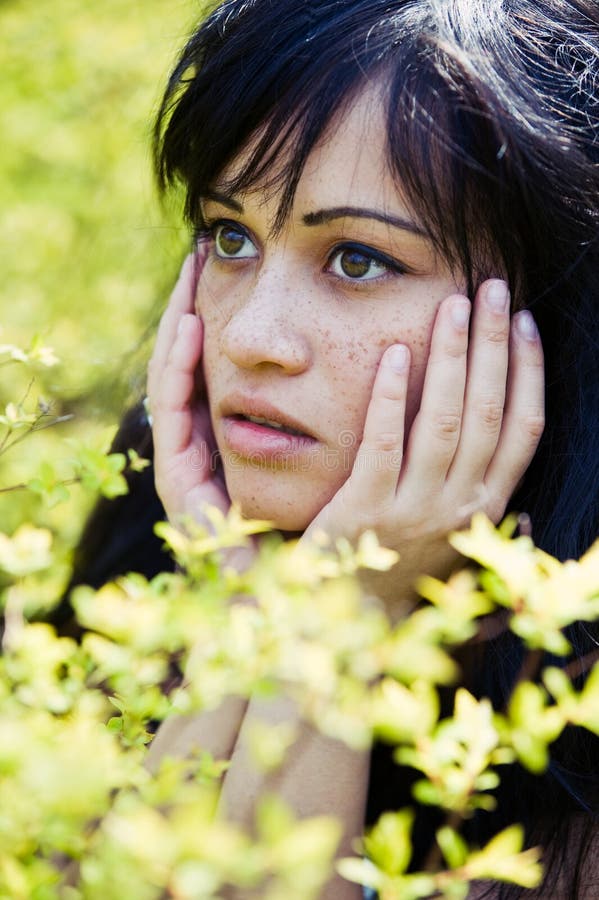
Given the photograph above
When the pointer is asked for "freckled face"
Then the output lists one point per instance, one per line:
(295, 324)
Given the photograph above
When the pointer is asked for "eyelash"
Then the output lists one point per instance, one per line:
(394, 268)
(212, 230)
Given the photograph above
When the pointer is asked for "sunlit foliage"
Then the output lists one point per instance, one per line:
(86, 253)
(84, 818)
(86, 261)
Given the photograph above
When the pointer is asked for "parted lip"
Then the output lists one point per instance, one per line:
(239, 405)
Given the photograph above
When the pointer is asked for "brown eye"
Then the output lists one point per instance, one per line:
(357, 265)
(231, 242)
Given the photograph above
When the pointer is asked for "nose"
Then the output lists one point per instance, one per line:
(269, 325)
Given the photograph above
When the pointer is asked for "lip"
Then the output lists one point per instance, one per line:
(257, 442)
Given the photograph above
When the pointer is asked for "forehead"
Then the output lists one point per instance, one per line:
(347, 166)
(351, 159)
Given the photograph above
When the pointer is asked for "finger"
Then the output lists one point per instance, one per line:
(378, 460)
(172, 400)
(182, 458)
(181, 302)
(200, 255)
(524, 415)
(485, 386)
(436, 429)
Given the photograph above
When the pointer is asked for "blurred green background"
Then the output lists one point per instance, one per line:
(87, 254)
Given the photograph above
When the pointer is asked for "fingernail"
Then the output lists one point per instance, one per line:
(497, 296)
(398, 357)
(180, 325)
(460, 313)
(526, 325)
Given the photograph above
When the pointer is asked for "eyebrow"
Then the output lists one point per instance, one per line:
(323, 216)
(223, 199)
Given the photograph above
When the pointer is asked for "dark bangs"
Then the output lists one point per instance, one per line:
(274, 75)
(482, 132)
(493, 132)
(274, 72)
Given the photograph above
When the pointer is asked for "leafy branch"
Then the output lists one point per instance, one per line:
(353, 674)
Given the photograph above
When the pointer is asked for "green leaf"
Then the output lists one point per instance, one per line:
(136, 462)
(423, 791)
(361, 871)
(307, 843)
(399, 713)
(28, 550)
(454, 847)
(268, 743)
(389, 844)
(49, 485)
(101, 472)
(273, 818)
(502, 859)
(533, 725)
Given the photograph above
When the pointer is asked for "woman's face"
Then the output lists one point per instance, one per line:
(295, 324)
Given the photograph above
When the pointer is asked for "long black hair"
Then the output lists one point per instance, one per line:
(492, 110)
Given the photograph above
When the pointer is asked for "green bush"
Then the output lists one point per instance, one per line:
(87, 255)
(83, 817)
(86, 261)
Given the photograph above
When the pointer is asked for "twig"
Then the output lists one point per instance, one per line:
(28, 391)
(55, 421)
(581, 666)
(14, 618)
(35, 427)
(24, 487)
(491, 627)
(434, 855)
(529, 670)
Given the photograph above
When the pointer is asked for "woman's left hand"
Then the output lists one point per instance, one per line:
(480, 420)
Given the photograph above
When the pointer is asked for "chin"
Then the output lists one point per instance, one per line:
(289, 507)
(281, 516)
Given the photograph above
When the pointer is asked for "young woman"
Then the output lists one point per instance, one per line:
(394, 208)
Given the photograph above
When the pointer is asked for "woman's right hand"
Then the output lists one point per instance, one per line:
(187, 482)
(184, 450)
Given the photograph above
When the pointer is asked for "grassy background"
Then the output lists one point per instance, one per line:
(87, 255)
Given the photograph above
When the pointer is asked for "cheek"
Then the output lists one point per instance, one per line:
(416, 333)
(206, 305)
(353, 372)
(208, 311)
(418, 359)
